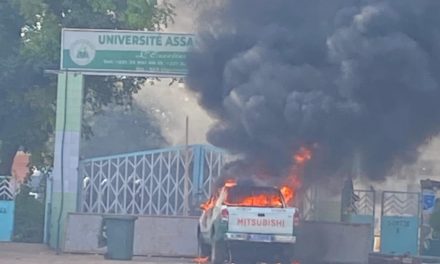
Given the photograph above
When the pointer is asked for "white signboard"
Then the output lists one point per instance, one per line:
(116, 51)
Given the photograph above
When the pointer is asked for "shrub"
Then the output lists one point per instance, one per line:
(29, 218)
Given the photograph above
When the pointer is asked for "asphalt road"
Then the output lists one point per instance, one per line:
(12, 253)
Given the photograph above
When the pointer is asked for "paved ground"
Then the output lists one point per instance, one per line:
(12, 253)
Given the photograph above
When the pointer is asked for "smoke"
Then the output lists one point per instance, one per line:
(157, 118)
(117, 130)
(171, 104)
(352, 78)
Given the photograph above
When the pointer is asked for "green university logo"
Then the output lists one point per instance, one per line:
(82, 52)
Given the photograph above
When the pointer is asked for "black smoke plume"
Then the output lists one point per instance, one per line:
(351, 77)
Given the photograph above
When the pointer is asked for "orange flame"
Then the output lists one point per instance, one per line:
(201, 260)
(230, 183)
(293, 181)
(211, 202)
(288, 193)
(302, 156)
(208, 204)
(288, 190)
(262, 200)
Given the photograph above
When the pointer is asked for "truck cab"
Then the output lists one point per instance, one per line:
(247, 224)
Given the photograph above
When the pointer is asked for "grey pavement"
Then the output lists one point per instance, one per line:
(18, 253)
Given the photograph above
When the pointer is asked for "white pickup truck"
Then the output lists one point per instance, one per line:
(247, 224)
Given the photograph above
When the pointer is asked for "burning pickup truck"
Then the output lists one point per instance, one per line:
(243, 223)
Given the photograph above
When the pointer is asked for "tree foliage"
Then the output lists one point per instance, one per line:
(29, 217)
(30, 33)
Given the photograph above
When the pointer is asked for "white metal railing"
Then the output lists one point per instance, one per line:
(6, 189)
(150, 182)
(400, 203)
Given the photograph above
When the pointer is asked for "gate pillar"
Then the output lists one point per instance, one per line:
(66, 159)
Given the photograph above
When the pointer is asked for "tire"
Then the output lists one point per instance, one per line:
(240, 256)
(286, 260)
(204, 249)
(287, 256)
(246, 261)
(219, 252)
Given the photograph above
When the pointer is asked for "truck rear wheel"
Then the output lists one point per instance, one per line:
(288, 256)
(286, 260)
(219, 252)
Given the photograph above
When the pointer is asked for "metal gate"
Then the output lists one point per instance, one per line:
(150, 182)
(364, 210)
(400, 222)
(364, 207)
(7, 207)
(307, 203)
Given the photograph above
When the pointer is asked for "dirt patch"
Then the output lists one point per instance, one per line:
(16, 253)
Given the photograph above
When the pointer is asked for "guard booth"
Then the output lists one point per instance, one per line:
(400, 223)
(7, 209)
(430, 218)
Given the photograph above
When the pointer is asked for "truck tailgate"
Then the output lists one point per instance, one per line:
(277, 221)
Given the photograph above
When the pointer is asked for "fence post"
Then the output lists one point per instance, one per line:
(197, 174)
(48, 207)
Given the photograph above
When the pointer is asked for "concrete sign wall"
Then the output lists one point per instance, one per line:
(125, 52)
(153, 235)
(333, 242)
(399, 235)
(82, 233)
(7, 209)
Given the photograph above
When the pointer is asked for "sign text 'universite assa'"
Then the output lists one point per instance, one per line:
(107, 52)
(112, 39)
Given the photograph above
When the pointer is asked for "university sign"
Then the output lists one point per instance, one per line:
(105, 52)
(98, 52)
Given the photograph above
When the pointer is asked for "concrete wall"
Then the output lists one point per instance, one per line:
(327, 242)
(166, 236)
(318, 242)
(155, 235)
(81, 233)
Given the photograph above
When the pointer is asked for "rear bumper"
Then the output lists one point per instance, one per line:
(258, 238)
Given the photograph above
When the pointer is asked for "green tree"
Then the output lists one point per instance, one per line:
(29, 217)
(30, 33)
